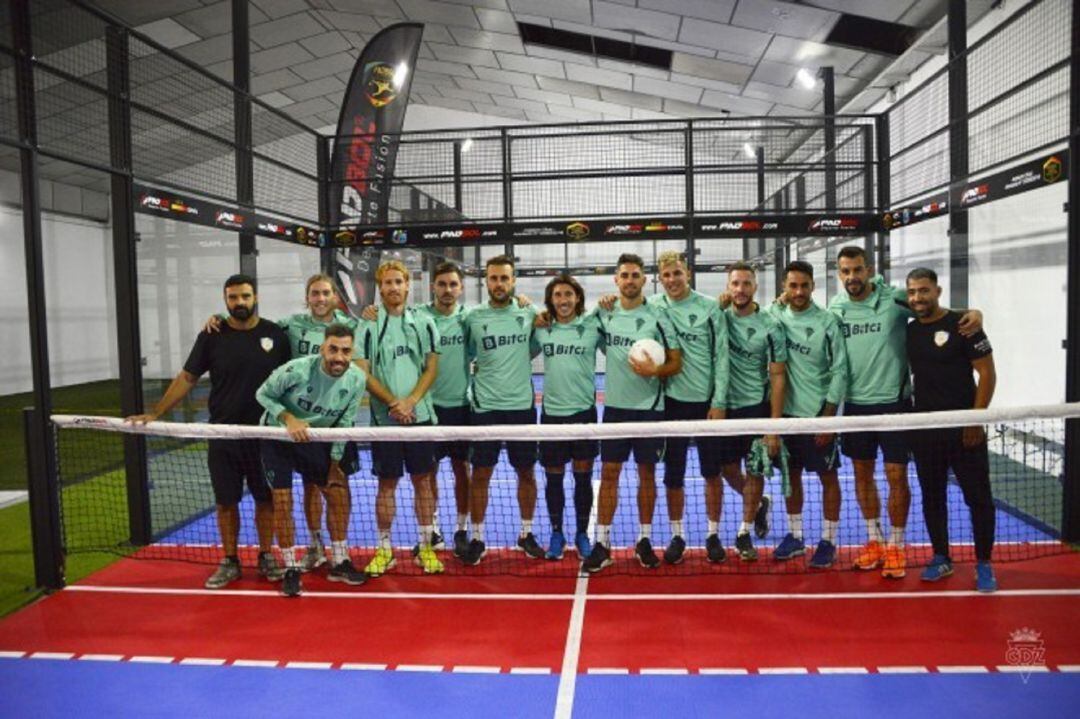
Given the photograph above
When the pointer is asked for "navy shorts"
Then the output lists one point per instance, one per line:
(864, 445)
(647, 450)
(389, 460)
(675, 448)
(310, 459)
(734, 448)
(231, 464)
(486, 454)
(453, 417)
(558, 453)
(804, 453)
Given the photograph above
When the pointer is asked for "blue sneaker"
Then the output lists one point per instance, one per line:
(556, 546)
(939, 568)
(984, 578)
(584, 547)
(824, 555)
(789, 547)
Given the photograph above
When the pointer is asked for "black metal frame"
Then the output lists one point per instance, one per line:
(1070, 521)
(245, 160)
(958, 154)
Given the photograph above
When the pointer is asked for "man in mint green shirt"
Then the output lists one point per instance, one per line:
(399, 352)
(322, 390)
(499, 335)
(817, 377)
(699, 387)
(568, 342)
(756, 390)
(633, 392)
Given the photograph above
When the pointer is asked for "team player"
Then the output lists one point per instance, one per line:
(634, 392)
(499, 335)
(450, 392)
(874, 318)
(239, 358)
(817, 375)
(399, 353)
(568, 342)
(697, 391)
(942, 360)
(322, 390)
(305, 332)
(755, 390)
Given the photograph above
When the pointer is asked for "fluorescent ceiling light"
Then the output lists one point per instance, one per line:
(805, 79)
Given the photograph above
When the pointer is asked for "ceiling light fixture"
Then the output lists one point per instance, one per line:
(748, 150)
(467, 145)
(805, 79)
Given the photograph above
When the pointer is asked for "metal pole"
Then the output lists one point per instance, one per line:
(1070, 519)
(125, 264)
(958, 154)
(868, 184)
(43, 482)
(828, 95)
(322, 169)
(508, 189)
(688, 160)
(881, 130)
(245, 163)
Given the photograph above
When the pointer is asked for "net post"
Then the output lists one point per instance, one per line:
(1070, 520)
(125, 266)
(44, 496)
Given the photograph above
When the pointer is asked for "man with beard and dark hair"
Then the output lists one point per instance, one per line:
(239, 357)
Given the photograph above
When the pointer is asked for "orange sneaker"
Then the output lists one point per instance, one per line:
(895, 563)
(871, 556)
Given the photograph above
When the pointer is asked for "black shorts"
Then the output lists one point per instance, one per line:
(453, 417)
(804, 453)
(389, 460)
(311, 460)
(231, 463)
(647, 450)
(864, 445)
(675, 448)
(486, 454)
(558, 453)
(734, 448)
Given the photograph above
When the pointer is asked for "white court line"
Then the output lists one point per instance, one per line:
(960, 669)
(607, 670)
(903, 670)
(357, 667)
(309, 665)
(419, 667)
(101, 658)
(783, 670)
(722, 671)
(530, 670)
(203, 662)
(464, 669)
(516, 597)
(843, 670)
(264, 663)
(564, 699)
(664, 671)
(1068, 667)
(1022, 668)
(12, 655)
(52, 655)
(151, 660)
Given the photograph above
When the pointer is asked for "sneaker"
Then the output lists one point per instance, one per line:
(530, 546)
(461, 543)
(290, 583)
(985, 581)
(437, 542)
(269, 569)
(429, 561)
(824, 555)
(871, 557)
(789, 547)
(939, 568)
(556, 546)
(344, 571)
(675, 550)
(745, 547)
(226, 573)
(761, 518)
(714, 549)
(315, 556)
(475, 553)
(582, 544)
(598, 558)
(381, 563)
(645, 554)
(895, 566)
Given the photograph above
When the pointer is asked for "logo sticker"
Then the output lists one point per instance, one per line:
(379, 84)
(941, 337)
(577, 230)
(1051, 170)
(267, 343)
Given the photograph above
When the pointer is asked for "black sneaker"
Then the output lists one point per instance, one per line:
(290, 584)
(745, 546)
(675, 550)
(598, 558)
(269, 569)
(530, 546)
(475, 553)
(714, 549)
(345, 572)
(645, 554)
(461, 543)
(761, 518)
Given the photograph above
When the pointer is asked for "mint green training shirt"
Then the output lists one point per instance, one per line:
(754, 341)
(397, 350)
(703, 336)
(499, 340)
(306, 333)
(817, 370)
(569, 352)
(623, 388)
(301, 388)
(451, 388)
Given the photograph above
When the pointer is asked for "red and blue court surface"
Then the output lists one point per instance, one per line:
(142, 638)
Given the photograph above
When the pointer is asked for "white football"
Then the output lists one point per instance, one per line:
(647, 348)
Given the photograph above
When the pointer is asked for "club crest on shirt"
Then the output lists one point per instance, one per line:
(750, 332)
(267, 343)
(809, 332)
(941, 337)
(639, 323)
(693, 320)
